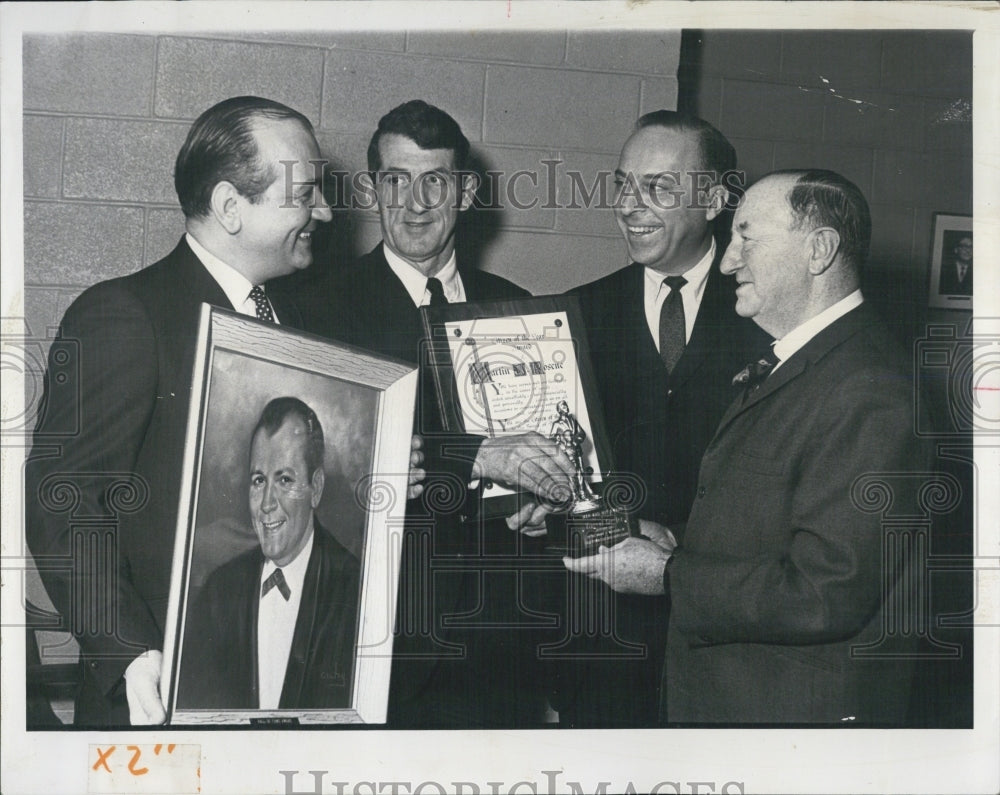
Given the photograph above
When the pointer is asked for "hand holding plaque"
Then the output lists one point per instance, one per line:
(590, 522)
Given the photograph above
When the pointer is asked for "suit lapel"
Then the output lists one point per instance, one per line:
(800, 361)
(305, 630)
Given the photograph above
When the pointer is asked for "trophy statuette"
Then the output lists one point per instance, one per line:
(589, 521)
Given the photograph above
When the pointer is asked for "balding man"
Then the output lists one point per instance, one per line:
(780, 576)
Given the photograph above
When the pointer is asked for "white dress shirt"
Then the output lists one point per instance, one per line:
(801, 334)
(234, 284)
(656, 292)
(276, 625)
(416, 283)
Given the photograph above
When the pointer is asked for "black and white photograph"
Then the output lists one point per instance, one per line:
(951, 263)
(275, 520)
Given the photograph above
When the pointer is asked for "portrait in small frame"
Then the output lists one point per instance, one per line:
(283, 583)
(951, 262)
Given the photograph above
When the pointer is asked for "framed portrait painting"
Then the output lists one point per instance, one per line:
(285, 564)
(951, 262)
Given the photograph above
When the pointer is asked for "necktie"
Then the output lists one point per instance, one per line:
(672, 331)
(263, 306)
(436, 290)
(277, 579)
(753, 375)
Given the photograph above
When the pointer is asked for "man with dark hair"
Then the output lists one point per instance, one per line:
(275, 627)
(783, 583)
(665, 342)
(443, 673)
(248, 182)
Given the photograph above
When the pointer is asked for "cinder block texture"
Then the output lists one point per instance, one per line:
(838, 60)
(772, 111)
(121, 160)
(194, 74)
(875, 118)
(79, 244)
(361, 87)
(327, 39)
(585, 110)
(906, 176)
(545, 263)
(937, 63)
(658, 93)
(90, 73)
(737, 54)
(643, 52)
(533, 47)
(43, 137)
(163, 229)
(586, 193)
(518, 185)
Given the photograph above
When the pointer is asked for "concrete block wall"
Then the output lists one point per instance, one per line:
(105, 114)
(891, 110)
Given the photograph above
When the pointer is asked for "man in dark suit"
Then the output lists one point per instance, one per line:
(275, 627)
(103, 480)
(443, 674)
(663, 357)
(780, 578)
(956, 271)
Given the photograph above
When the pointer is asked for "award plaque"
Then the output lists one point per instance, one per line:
(503, 368)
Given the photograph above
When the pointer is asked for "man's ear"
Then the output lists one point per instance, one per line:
(318, 481)
(824, 243)
(716, 198)
(469, 185)
(224, 205)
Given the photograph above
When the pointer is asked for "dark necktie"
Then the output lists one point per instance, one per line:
(277, 579)
(672, 332)
(263, 306)
(753, 375)
(436, 290)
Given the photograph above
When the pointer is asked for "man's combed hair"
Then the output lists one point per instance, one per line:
(717, 155)
(427, 126)
(280, 409)
(221, 147)
(825, 198)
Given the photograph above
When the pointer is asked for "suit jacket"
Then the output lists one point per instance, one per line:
(950, 284)
(107, 461)
(218, 668)
(780, 574)
(367, 305)
(660, 424)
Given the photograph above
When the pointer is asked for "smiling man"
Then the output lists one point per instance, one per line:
(665, 342)
(446, 671)
(785, 584)
(247, 178)
(275, 627)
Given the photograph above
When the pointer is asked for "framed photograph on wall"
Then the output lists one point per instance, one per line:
(284, 576)
(951, 262)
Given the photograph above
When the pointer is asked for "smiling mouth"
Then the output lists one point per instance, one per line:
(270, 527)
(641, 230)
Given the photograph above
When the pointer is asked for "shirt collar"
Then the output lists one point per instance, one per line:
(415, 282)
(294, 572)
(697, 277)
(234, 284)
(799, 336)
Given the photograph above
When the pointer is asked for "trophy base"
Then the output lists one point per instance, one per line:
(581, 532)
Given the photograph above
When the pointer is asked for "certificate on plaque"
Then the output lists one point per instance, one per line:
(503, 368)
